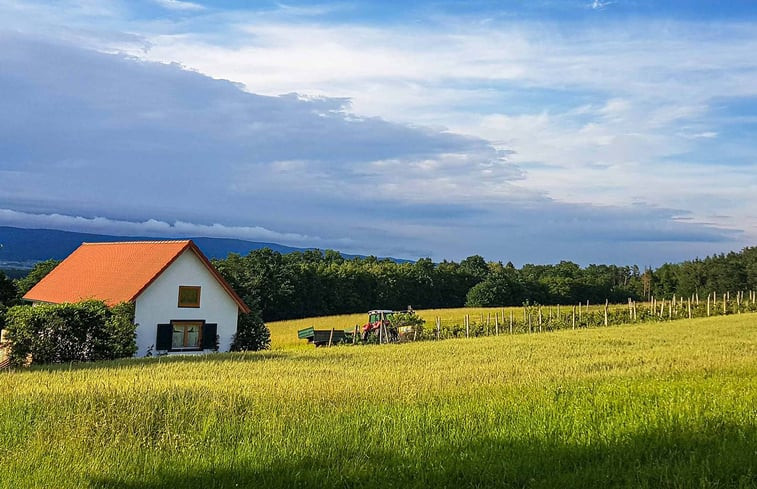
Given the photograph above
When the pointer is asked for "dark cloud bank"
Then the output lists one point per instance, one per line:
(84, 133)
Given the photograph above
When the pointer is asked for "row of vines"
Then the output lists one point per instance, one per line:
(535, 318)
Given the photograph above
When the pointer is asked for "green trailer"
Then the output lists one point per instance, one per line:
(325, 337)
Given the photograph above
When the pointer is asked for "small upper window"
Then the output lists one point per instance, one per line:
(189, 296)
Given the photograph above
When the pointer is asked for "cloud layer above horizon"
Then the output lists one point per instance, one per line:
(310, 125)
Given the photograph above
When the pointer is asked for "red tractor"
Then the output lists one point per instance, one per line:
(380, 323)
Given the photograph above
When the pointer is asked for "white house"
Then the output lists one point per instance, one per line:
(181, 303)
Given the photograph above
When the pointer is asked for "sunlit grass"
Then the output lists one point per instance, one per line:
(656, 405)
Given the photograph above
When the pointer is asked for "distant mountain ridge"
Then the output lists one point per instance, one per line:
(22, 248)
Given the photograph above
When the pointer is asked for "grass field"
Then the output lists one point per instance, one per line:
(284, 333)
(656, 405)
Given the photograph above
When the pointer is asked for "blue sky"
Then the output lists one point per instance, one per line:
(595, 131)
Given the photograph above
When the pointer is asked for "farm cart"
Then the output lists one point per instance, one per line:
(325, 337)
(383, 326)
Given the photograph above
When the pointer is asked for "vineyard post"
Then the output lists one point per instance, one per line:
(689, 307)
(708, 305)
(496, 324)
(331, 336)
(670, 308)
(579, 311)
(467, 326)
(438, 327)
(511, 321)
(530, 330)
(539, 319)
(725, 303)
(738, 302)
(630, 310)
(607, 302)
(354, 335)
(574, 317)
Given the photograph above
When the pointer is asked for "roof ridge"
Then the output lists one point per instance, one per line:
(161, 241)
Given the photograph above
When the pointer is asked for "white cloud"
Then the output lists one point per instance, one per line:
(179, 5)
(157, 228)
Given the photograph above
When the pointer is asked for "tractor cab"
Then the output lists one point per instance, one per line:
(380, 315)
(379, 322)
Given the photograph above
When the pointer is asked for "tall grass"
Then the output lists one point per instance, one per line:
(654, 405)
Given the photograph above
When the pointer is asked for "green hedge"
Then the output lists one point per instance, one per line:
(82, 332)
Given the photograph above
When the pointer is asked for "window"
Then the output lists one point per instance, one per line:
(189, 296)
(187, 335)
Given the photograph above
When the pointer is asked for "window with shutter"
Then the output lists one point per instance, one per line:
(186, 335)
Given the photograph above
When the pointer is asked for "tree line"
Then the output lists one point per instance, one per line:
(318, 283)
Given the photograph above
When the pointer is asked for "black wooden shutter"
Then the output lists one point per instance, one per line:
(164, 338)
(209, 336)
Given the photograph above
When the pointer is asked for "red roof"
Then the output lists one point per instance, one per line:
(116, 272)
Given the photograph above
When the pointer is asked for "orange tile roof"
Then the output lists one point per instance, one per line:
(115, 272)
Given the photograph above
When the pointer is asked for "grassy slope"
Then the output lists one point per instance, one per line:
(657, 405)
(284, 333)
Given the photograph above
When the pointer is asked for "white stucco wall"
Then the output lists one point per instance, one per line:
(158, 303)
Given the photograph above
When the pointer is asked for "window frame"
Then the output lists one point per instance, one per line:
(186, 324)
(194, 305)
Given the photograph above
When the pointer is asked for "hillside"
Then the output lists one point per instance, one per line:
(659, 405)
(21, 248)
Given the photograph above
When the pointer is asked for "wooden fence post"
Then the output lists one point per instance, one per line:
(530, 330)
(607, 302)
(496, 324)
(331, 336)
(511, 321)
(539, 319)
(574, 316)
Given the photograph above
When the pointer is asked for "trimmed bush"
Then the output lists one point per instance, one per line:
(252, 333)
(82, 332)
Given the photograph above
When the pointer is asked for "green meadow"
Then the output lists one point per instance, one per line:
(671, 405)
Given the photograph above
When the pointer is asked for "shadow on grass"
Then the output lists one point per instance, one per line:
(721, 456)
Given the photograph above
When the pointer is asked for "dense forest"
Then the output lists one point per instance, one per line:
(315, 283)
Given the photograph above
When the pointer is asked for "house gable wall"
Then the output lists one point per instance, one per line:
(158, 303)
